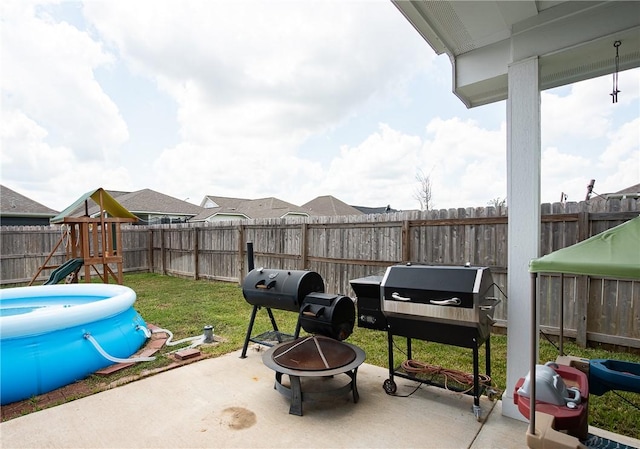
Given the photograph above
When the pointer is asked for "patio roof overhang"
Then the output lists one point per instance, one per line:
(572, 39)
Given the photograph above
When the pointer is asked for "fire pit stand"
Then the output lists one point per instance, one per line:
(313, 356)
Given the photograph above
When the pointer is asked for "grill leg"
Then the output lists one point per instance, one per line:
(390, 348)
(298, 326)
(354, 387)
(476, 375)
(296, 396)
(389, 385)
(273, 320)
(477, 411)
(487, 351)
(249, 329)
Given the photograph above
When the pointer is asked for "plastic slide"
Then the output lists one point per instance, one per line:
(64, 270)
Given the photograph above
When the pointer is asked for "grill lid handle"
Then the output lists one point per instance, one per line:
(446, 302)
(397, 297)
(488, 305)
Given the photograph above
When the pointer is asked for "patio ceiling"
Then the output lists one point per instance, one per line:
(573, 40)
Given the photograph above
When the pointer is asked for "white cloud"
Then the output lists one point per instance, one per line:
(621, 159)
(623, 143)
(47, 73)
(465, 163)
(469, 163)
(586, 136)
(253, 80)
(247, 85)
(576, 114)
(51, 175)
(564, 173)
(379, 171)
(260, 68)
(616, 167)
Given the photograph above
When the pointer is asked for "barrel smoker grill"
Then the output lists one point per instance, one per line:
(297, 291)
(442, 304)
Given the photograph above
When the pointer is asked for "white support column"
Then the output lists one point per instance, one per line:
(523, 197)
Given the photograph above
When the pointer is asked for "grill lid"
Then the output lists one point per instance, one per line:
(448, 294)
(458, 286)
(280, 289)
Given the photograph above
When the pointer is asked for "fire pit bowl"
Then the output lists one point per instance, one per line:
(313, 356)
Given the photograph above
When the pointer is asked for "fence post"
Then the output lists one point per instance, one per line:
(406, 249)
(240, 262)
(303, 246)
(162, 253)
(150, 256)
(196, 250)
(582, 287)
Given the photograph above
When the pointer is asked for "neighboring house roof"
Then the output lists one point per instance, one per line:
(14, 204)
(147, 201)
(242, 208)
(211, 201)
(375, 210)
(143, 203)
(330, 206)
(629, 192)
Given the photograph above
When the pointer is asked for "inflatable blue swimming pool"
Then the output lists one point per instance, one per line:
(53, 335)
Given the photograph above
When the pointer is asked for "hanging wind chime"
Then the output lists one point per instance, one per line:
(614, 94)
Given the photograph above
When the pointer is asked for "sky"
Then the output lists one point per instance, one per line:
(293, 100)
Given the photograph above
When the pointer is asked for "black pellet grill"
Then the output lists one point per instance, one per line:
(297, 291)
(442, 304)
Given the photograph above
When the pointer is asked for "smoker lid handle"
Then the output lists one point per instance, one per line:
(263, 285)
(313, 314)
(446, 302)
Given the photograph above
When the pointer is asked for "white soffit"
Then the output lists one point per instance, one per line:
(573, 39)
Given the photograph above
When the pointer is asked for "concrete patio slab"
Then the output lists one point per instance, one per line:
(229, 402)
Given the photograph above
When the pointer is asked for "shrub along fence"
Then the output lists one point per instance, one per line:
(344, 248)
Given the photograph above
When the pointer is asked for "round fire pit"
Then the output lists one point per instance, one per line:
(313, 356)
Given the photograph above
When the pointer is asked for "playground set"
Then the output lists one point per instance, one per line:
(91, 241)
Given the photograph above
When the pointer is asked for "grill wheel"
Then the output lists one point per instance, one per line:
(390, 386)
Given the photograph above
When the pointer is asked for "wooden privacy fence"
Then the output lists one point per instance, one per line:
(345, 248)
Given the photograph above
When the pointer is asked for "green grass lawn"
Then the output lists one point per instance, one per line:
(185, 306)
